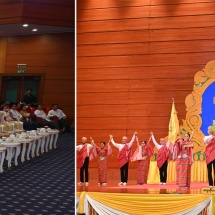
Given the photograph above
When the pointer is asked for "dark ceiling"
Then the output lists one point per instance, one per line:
(18, 29)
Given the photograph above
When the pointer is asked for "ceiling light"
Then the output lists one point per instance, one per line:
(25, 25)
(34, 29)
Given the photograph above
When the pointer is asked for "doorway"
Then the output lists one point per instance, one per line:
(14, 87)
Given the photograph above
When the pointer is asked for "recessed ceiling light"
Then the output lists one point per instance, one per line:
(34, 29)
(25, 25)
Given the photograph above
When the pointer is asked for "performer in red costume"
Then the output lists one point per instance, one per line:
(183, 151)
(83, 160)
(124, 157)
(210, 154)
(163, 156)
(142, 154)
(102, 152)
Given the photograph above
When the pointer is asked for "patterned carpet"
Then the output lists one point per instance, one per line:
(42, 185)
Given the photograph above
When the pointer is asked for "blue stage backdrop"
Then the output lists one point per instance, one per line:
(208, 108)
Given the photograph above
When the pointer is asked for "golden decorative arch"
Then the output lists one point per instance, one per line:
(193, 102)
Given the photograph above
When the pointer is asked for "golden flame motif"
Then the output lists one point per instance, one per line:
(193, 102)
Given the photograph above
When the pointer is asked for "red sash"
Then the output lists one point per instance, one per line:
(150, 149)
(81, 156)
(210, 151)
(124, 155)
(163, 155)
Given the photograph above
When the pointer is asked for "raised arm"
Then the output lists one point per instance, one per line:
(108, 142)
(191, 136)
(132, 140)
(113, 142)
(137, 140)
(92, 143)
(154, 141)
(149, 139)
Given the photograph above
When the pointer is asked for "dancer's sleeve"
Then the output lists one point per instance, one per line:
(132, 141)
(78, 148)
(115, 144)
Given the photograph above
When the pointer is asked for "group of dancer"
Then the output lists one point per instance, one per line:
(181, 152)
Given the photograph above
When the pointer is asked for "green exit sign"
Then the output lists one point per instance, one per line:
(21, 71)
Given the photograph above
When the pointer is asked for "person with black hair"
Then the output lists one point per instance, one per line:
(183, 150)
(60, 117)
(142, 154)
(29, 99)
(103, 151)
(43, 120)
(83, 160)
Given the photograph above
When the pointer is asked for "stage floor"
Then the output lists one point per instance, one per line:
(169, 188)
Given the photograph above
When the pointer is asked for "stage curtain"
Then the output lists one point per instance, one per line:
(81, 202)
(150, 204)
(77, 199)
(198, 172)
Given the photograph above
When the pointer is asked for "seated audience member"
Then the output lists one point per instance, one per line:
(29, 99)
(59, 116)
(25, 114)
(43, 120)
(27, 124)
(7, 115)
(14, 113)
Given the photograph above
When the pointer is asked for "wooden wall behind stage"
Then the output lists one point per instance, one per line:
(133, 57)
(51, 55)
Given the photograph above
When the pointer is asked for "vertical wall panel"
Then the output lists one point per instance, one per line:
(3, 47)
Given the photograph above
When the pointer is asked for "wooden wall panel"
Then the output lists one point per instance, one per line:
(96, 4)
(59, 13)
(143, 11)
(3, 46)
(11, 11)
(146, 48)
(51, 55)
(134, 97)
(144, 35)
(133, 57)
(144, 60)
(143, 72)
(145, 23)
(131, 110)
(62, 98)
(57, 60)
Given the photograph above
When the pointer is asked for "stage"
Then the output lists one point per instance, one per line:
(169, 188)
(145, 199)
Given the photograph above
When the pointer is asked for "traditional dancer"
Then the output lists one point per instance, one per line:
(210, 154)
(163, 156)
(177, 157)
(103, 151)
(124, 157)
(83, 160)
(142, 154)
(183, 150)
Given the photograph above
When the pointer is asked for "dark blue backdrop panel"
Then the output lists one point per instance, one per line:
(208, 108)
